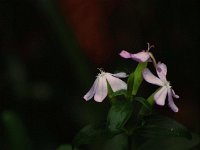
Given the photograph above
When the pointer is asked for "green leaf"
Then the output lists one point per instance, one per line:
(15, 132)
(90, 133)
(64, 147)
(172, 143)
(118, 115)
(160, 126)
(135, 79)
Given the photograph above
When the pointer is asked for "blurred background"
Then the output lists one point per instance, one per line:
(50, 49)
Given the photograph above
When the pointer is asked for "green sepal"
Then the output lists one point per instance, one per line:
(118, 93)
(113, 95)
(135, 79)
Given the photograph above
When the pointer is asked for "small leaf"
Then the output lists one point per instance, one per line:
(135, 79)
(118, 115)
(160, 126)
(64, 147)
(90, 133)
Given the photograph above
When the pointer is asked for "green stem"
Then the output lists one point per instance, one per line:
(153, 59)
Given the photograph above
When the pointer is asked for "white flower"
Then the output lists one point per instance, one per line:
(142, 56)
(165, 89)
(99, 89)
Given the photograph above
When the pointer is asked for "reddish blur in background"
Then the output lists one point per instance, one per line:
(49, 52)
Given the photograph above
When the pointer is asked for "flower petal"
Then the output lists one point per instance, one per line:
(161, 69)
(149, 77)
(171, 102)
(115, 83)
(91, 92)
(141, 56)
(125, 54)
(174, 94)
(160, 96)
(101, 91)
(120, 75)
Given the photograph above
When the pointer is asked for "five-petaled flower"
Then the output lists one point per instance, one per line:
(142, 56)
(165, 89)
(99, 89)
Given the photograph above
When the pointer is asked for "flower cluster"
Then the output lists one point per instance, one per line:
(99, 89)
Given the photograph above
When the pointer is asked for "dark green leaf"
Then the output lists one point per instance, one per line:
(65, 147)
(90, 133)
(160, 126)
(65, 36)
(118, 142)
(172, 143)
(118, 115)
(135, 79)
(15, 132)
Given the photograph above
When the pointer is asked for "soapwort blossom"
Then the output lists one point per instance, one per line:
(142, 56)
(99, 89)
(165, 90)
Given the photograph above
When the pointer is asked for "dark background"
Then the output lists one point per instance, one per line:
(49, 52)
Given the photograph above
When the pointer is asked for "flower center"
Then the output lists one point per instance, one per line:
(102, 73)
(167, 84)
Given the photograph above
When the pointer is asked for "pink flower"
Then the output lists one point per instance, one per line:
(139, 57)
(142, 56)
(99, 89)
(165, 90)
